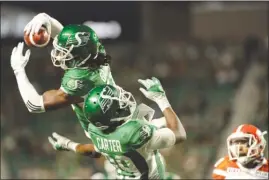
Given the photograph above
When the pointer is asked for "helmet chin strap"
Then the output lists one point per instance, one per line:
(250, 163)
(125, 118)
(243, 160)
(85, 60)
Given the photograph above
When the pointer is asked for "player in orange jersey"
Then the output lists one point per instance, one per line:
(245, 158)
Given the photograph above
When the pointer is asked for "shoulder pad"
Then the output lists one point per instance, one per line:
(143, 111)
(139, 133)
(222, 163)
(76, 82)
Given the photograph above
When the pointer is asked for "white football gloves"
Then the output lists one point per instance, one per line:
(62, 143)
(154, 91)
(53, 26)
(18, 61)
(36, 23)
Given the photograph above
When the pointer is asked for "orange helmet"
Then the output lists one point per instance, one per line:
(255, 143)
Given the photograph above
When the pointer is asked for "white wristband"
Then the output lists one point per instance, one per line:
(163, 103)
(56, 27)
(17, 71)
(72, 146)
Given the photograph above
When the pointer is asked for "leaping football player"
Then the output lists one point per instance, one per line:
(120, 131)
(78, 51)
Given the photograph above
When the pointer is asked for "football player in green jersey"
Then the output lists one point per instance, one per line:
(121, 132)
(78, 51)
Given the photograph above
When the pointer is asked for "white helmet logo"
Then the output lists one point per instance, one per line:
(105, 99)
(81, 39)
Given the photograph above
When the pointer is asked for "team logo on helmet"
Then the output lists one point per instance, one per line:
(80, 39)
(105, 99)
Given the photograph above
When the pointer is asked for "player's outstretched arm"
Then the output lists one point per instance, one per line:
(53, 26)
(34, 102)
(55, 99)
(62, 143)
(156, 93)
(174, 123)
(162, 123)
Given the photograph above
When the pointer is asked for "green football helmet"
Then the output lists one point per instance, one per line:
(105, 106)
(77, 46)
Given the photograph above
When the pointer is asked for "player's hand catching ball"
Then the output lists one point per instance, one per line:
(38, 31)
(33, 27)
(18, 61)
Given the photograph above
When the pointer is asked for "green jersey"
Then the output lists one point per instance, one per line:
(78, 82)
(128, 149)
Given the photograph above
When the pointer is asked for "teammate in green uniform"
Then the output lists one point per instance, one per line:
(78, 51)
(121, 132)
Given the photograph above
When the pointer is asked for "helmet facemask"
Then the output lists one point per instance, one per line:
(245, 147)
(126, 103)
(61, 56)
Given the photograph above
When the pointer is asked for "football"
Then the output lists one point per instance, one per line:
(40, 39)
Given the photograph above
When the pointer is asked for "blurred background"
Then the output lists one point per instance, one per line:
(210, 56)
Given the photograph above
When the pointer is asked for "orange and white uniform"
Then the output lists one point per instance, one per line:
(230, 169)
(245, 145)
